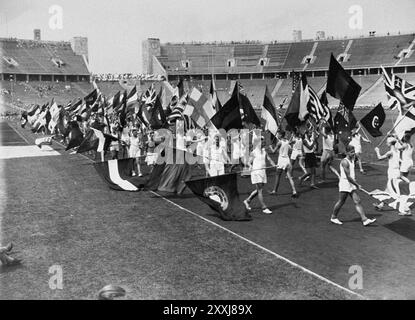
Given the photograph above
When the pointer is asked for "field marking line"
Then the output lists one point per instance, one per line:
(264, 249)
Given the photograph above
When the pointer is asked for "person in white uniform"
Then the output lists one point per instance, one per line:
(257, 165)
(284, 163)
(348, 186)
(407, 150)
(297, 151)
(394, 172)
(135, 150)
(327, 156)
(357, 144)
(218, 157)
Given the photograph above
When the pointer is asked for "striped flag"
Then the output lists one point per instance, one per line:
(215, 103)
(318, 110)
(177, 110)
(55, 114)
(268, 113)
(399, 91)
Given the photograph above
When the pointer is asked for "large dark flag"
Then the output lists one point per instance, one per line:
(374, 120)
(221, 194)
(248, 112)
(157, 116)
(269, 113)
(340, 84)
(342, 128)
(229, 116)
(91, 97)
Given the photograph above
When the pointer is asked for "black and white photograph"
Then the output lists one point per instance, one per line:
(221, 152)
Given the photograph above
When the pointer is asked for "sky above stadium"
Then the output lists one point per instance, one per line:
(115, 29)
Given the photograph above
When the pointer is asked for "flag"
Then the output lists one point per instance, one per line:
(297, 109)
(132, 97)
(149, 96)
(342, 129)
(374, 120)
(72, 107)
(167, 94)
(40, 121)
(229, 116)
(316, 108)
(405, 123)
(157, 116)
(43, 141)
(325, 104)
(215, 103)
(177, 110)
(400, 200)
(95, 140)
(399, 91)
(23, 119)
(55, 115)
(340, 84)
(196, 107)
(118, 174)
(221, 194)
(180, 88)
(91, 97)
(248, 113)
(269, 114)
(295, 78)
(123, 112)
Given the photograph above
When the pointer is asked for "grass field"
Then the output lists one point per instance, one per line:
(57, 211)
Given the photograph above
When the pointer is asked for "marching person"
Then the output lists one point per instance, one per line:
(297, 151)
(135, 151)
(357, 144)
(257, 165)
(348, 186)
(327, 156)
(309, 146)
(218, 157)
(407, 150)
(115, 145)
(284, 164)
(394, 165)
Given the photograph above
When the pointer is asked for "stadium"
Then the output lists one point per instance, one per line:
(58, 211)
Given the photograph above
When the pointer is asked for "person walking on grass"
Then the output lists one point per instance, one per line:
(348, 186)
(257, 165)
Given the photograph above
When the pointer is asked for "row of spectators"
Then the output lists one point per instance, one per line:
(126, 76)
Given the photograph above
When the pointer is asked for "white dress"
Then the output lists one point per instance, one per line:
(344, 184)
(407, 160)
(258, 173)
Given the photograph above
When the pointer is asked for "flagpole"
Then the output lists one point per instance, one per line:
(403, 117)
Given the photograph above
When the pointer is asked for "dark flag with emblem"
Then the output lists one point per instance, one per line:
(221, 194)
(340, 84)
(374, 120)
(342, 128)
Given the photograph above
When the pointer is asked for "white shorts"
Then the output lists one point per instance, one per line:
(258, 176)
(295, 154)
(406, 166)
(134, 153)
(283, 163)
(346, 186)
(393, 173)
(216, 170)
